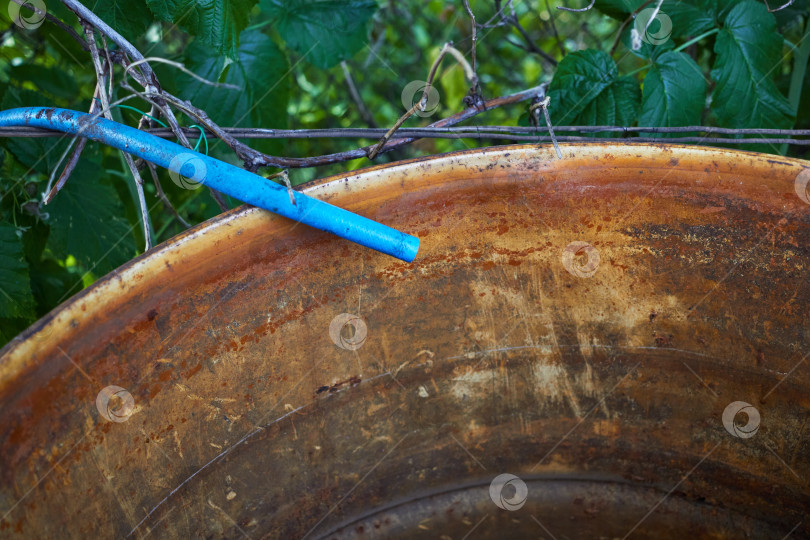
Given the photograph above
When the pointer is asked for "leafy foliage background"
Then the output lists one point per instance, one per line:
(727, 63)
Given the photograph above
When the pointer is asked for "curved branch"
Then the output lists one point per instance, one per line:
(531, 45)
(625, 23)
(475, 89)
(85, 14)
(466, 114)
(582, 10)
(150, 79)
(54, 20)
(365, 114)
(420, 105)
(780, 8)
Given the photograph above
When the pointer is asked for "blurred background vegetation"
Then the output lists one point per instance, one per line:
(286, 56)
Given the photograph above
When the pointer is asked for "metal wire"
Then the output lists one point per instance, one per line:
(515, 133)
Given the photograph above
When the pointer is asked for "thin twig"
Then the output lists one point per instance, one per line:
(475, 89)
(511, 19)
(365, 114)
(52, 189)
(554, 30)
(162, 196)
(543, 104)
(158, 97)
(88, 16)
(531, 45)
(91, 41)
(54, 20)
(184, 69)
(474, 35)
(285, 177)
(420, 105)
(110, 73)
(376, 148)
(789, 3)
(251, 157)
(454, 119)
(625, 23)
(149, 79)
(653, 16)
(582, 10)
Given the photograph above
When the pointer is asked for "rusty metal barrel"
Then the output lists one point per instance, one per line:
(609, 345)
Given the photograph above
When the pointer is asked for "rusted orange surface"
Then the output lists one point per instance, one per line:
(582, 324)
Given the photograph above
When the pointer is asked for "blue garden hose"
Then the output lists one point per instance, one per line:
(238, 183)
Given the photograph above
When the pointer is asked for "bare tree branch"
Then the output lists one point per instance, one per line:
(625, 23)
(55, 21)
(365, 114)
(474, 95)
(149, 78)
(554, 29)
(420, 105)
(466, 114)
(788, 3)
(530, 44)
(105, 103)
(162, 196)
(91, 18)
(543, 104)
(582, 10)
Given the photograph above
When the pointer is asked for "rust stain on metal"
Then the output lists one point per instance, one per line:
(351, 381)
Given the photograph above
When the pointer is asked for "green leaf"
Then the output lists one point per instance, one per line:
(674, 92)
(748, 47)
(86, 219)
(16, 298)
(586, 90)
(214, 22)
(260, 71)
(326, 31)
(129, 17)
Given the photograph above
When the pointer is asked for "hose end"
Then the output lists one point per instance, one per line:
(410, 246)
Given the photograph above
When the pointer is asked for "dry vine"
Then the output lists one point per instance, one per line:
(138, 68)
